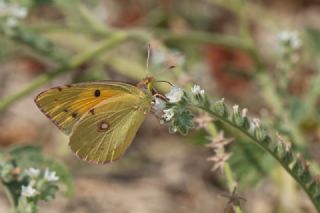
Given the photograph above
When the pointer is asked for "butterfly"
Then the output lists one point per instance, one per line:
(101, 118)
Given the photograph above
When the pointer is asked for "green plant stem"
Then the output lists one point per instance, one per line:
(73, 63)
(35, 41)
(269, 150)
(92, 21)
(10, 198)
(267, 84)
(231, 184)
(275, 102)
(229, 176)
(312, 96)
(167, 35)
(212, 130)
(204, 37)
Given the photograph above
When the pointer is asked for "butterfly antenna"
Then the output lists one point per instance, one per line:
(148, 58)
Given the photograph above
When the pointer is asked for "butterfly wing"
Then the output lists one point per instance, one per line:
(66, 105)
(104, 136)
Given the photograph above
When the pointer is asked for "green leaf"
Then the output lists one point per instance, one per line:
(182, 122)
(249, 163)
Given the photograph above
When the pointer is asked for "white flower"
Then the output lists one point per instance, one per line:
(244, 112)
(196, 90)
(175, 94)
(221, 101)
(32, 172)
(291, 38)
(28, 191)
(50, 175)
(256, 122)
(159, 104)
(12, 10)
(235, 108)
(168, 114)
(18, 11)
(13, 13)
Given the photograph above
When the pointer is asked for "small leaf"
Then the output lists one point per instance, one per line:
(182, 122)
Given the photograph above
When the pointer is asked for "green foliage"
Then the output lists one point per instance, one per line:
(290, 114)
(24, 187)
(314, 35)
(281, 150)
(31, 156)
(181, 122)
(250, 163)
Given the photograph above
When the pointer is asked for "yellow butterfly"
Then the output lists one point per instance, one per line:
(102, 117)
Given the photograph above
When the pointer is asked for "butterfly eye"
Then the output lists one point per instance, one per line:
(153, 102)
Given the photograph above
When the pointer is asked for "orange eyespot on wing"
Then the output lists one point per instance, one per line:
(66, 105)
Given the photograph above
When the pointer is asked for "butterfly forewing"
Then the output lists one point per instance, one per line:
(66, 105)
(104, 136)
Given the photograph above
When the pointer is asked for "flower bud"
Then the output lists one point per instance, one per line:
(220, 108)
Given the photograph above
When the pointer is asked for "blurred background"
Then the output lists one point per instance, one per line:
(259, 54)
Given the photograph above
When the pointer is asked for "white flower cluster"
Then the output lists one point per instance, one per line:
(196, 90)
(28, 191)
(175, 95)
(33, 173)
(159, 104)
(235, 109)
(12, 12)
(254, 124)
(168, 114)
(244, 111)
(290, 38)
(50, 175)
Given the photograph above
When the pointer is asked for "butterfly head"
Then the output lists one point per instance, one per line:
(147, 84)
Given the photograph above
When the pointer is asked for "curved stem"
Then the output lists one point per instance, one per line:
(266, 147)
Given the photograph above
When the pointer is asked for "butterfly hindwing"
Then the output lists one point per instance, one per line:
(66, 105)
(105, 133)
